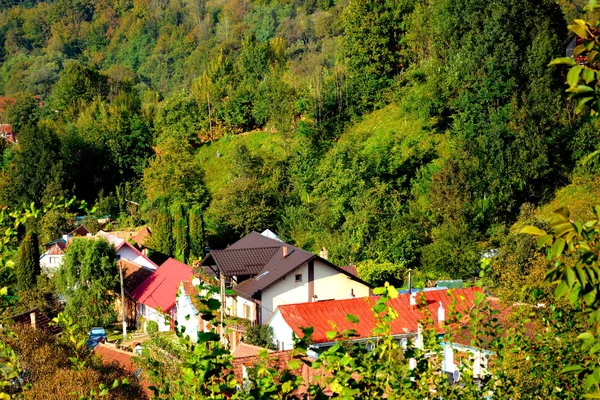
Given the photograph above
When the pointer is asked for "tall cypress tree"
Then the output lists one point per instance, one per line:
(28, 265)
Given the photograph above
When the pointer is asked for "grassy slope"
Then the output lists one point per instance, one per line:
(218, 169)
(579, 196)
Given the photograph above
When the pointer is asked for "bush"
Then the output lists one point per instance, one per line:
(151, 327)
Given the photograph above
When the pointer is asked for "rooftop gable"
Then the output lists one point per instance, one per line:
(323, 315)
(159, 290)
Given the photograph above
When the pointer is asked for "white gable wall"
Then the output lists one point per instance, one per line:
(129, 254)
(329, 284)
(285, 291)
(187, 315)
(50, 263)
(283, 332)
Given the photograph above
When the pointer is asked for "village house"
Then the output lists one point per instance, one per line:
(51, 259)
(274, 273)
(327, 316)
(156, 296)
(240, 313)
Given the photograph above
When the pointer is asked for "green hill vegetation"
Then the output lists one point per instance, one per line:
(394, 132)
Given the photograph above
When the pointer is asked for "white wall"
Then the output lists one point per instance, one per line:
(329, 284)
(187, 315)
(131, 255)
(150, 314)
(285, 291)
(235, 307)
(283, 332)
(50, 263)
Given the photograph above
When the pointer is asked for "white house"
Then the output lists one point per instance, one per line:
(127, 251)
(275, 273)
(190, 318)
(52, 258)
(324, 315)
(156, 296)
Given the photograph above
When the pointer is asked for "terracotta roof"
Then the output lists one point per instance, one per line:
(6, 129)
(248, 350)
(278, 360)
(57, 248)
(159, 290)
(323, 315)
(234, 262)
(41, 321)
(133, 274)
(142, 235)
(109, 354)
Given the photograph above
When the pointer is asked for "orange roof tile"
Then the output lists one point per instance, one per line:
(325, 314)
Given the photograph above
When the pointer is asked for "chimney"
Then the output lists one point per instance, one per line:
(413, 300)
(33, 321)
(441, 314)
(324, 254)
(285, 251)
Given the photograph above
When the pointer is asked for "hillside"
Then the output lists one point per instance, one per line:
(345, 125)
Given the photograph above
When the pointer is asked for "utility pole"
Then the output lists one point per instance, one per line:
(123, 302)
(223, 300)
(410, 280)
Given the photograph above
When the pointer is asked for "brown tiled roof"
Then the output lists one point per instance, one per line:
(255, 240)
(41, 321)
(278, 267)
(133, 274)
(351, 269)
(57, 249)
(234, 262)
(79, 231)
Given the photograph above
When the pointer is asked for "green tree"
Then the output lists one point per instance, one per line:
(89, 279)
(378, 273)
(261, 335)
(28, 265)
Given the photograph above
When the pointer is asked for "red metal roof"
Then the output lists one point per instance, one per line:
(159, 290)
(324, 315)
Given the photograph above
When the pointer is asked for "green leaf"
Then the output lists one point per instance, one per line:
(294, 364)
(331, 335)
(563, 61)
(572, 368)
(558, 247)
(561, 289)
(531, 230)
(579, 28)
(573, 75)
(579, 89)
(544, 240)
(588, 75)
(352, 318)
(563, 212)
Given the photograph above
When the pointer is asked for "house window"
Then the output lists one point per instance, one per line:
(53, 260)
(246, 311)
(298, 278)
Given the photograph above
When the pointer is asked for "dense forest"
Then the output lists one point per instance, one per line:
(399, 133)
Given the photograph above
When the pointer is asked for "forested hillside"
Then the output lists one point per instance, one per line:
(403, 132)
